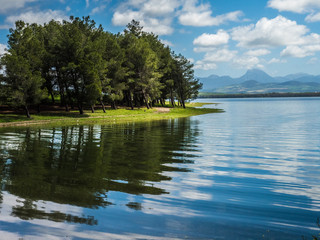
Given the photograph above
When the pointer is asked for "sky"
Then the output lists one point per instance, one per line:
(222, 37)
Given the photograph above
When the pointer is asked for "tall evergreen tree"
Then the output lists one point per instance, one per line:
(23, 65)
(186, 86)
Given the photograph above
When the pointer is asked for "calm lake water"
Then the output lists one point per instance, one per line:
(251, 172)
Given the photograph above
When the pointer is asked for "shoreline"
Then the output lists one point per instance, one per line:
(111, 116)
(255, 95)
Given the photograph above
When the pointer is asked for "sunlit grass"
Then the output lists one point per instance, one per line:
(198, 104)
(111, 116)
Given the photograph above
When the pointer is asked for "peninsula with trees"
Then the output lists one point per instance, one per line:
(77, 65)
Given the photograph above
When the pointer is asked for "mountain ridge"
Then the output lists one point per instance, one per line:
(256, 80)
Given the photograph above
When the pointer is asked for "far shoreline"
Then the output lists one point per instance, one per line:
(256, 95)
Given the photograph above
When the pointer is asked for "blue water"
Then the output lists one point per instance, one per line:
(251, 172)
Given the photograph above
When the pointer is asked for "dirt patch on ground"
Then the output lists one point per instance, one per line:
(162, 109)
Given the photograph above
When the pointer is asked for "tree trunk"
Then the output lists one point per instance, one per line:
(130, 100)
(67, 107)
(161, 101)
(113, 105)
(38, 108)
(103, 107)
(52, 97)
(92, 108)
(172, 99)
(183, 104)
(27, 111)
(80, 108)
(145, 99)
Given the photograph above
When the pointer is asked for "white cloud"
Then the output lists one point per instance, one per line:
(258, 52)
(297, 6)
(98, 9)
(247, 62)
(211, 59)
(37, 17)
(201, 15)
(167, 43)
(87, 3)
(212, 40)
(2, 49)
(204, 49)
(270, 33)
(13, 4)
(300, 51)
(123, 18)
(205, 66)
(220, 55)
(158, 15)
(155, 8)
(153, 15)
(313, 17)
(191, 60)
(277, 60)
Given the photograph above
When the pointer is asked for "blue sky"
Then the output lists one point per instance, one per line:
(223, 37)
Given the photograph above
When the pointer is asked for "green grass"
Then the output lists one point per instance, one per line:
(111, 116)
(198, 104)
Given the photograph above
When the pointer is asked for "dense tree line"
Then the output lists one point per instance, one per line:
(82, 65)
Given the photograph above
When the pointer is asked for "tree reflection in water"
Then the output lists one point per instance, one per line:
(79, 165)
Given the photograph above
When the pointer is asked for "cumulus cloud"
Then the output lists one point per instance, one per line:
(13, 4)
(158, 15)
(212, 40)
(159, 7)
(258, 52)
(277, 60)
(297, 6)
(154, 16)
(313, 17)
(98, 9)
(201, 15)
(279, 31)
(300, 51)
(205, 66)
(221, 55)
(247, 62)
(167, 43)
(37, 17)
(211, 59)
(2, 49)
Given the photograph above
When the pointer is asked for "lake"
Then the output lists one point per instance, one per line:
(251, 172)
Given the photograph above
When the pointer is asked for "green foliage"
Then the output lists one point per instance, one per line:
(186, 86)
(23, 66)
(84, 64)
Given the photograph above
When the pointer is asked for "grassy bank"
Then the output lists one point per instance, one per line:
(111, 116)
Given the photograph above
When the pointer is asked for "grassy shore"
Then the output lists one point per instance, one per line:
(111, 116)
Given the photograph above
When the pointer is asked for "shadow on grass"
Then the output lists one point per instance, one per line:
(12, 118)
(8, 118)
(62, 114)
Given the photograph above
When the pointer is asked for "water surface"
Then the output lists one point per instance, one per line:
(251, 172)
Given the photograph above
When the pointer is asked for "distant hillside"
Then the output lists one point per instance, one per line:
(257, 81)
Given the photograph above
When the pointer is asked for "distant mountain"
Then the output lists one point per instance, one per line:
(257, 75)
(257, 81)
(252, 86)
(212, 82)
